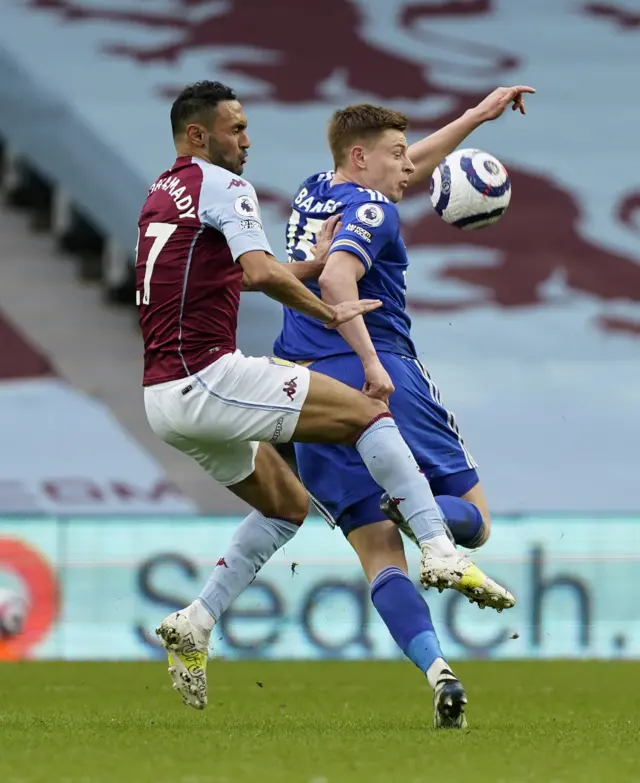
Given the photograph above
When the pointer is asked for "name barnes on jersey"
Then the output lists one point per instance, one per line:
(309, 204)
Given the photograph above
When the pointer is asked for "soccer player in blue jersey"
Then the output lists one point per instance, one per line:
(375, 353)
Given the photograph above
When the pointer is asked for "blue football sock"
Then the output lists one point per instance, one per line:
(407, 616)
(463, 519)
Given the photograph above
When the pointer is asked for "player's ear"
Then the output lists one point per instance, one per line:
(358, 157)
(196, 133)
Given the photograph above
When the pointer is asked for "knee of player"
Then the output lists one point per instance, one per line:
(300, 508)
(377, 407)
(292, 507)
(485, 532)
(369, 411)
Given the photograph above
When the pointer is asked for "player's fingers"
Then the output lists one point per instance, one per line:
(515, 99)
(326, 230)
(518, 104)
(353, 309)
(522, 88)
(384, 389)
(330, 226)
(367, 305)
(376, 392)
(346, 311)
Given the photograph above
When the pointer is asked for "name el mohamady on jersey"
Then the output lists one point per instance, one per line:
(371, 231)
(197, 221)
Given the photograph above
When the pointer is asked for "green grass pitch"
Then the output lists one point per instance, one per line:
(548, 722)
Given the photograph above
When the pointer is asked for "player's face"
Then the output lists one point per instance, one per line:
(226, 140)
(388, 167)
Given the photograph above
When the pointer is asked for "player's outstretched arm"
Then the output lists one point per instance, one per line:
(427, 153)
(263, 273)
(339, 282)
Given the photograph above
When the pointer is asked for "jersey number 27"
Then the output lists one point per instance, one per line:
(161, 233)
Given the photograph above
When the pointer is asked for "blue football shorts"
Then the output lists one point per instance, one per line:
(337, 478)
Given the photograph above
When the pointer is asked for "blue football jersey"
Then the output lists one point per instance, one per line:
(371, 231)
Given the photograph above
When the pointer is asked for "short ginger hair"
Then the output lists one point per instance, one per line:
(360, 123)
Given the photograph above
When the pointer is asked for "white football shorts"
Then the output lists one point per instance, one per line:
(219, 415)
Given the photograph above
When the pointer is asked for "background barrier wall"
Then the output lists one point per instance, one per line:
(96, 588)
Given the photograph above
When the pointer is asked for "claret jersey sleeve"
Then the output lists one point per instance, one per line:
(230, 205)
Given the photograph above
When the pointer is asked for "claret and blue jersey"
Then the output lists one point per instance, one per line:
(371, 231)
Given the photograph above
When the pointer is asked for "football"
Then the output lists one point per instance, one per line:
(470, 189)
(13, 612)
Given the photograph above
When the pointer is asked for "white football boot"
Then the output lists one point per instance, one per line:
(187, 648)
(457, 571)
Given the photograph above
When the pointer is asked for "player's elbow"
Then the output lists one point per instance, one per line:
(335, 287)
(329, 279)
(256, 279)
(339, 278)
(258, 271)
(327, 287)
(324, 281)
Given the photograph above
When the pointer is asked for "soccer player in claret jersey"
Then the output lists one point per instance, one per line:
(200, 243)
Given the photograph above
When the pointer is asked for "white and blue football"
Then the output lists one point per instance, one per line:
(470, 189)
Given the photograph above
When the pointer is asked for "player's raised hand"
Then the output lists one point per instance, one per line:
(330, 227)
(377, 383)
(495, 104)
(345, 311)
